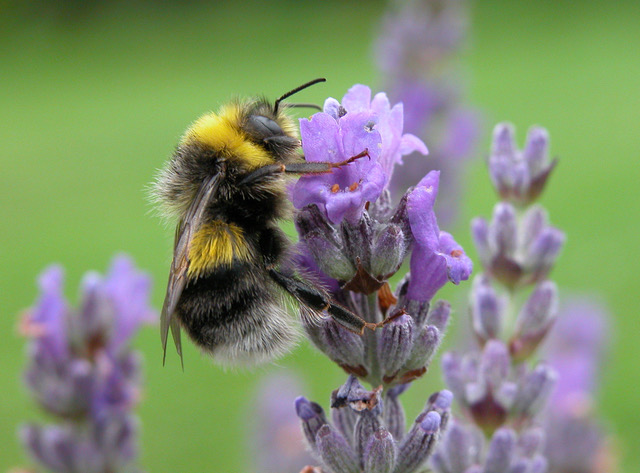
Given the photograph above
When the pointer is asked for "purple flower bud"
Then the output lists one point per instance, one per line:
(533, 390)
(48, 320)
(495, 363)
(536, 150)
(519, 176)
(395, 345)
(380, 454)
(453, 375)
(323, 242)
(341, 345)
(439, 315)
(357, 238)
(503, 230)
(418, 310)
(345, 421)
(436, 256)
(312, 417)
(486, 309)
(424, 347)
(335, 451)
(544, 250)
(419, 443)
(534, 320)
(501, 451)
(366, 426)
(480, 234)
(128, 290)
(388, 251)
(459, 449)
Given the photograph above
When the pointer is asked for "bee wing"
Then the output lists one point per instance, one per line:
(185, 230)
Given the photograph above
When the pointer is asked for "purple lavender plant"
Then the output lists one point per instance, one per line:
(498, 388)
(82, 371)
(416, 55)
(576, 440)
(354, 239)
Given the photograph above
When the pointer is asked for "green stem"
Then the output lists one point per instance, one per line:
(375, 316)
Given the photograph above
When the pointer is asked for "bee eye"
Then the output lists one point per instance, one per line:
(263, 127)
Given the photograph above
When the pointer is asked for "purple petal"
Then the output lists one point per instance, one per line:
(357, 98)
(129, 291)
(50, 313)
(459, 265)
(320, 138)
(410, 143)
(422, 218)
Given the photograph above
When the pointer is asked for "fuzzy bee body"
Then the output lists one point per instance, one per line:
(232, 272)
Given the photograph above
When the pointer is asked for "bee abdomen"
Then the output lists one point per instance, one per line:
(237, 315)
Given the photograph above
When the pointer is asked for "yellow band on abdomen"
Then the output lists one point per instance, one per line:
(217, 244)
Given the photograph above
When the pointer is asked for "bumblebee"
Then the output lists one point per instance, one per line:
(232, 268)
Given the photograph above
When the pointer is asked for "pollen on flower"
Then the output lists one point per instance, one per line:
(354, 186)
(28, 328)
(335, 188)
(457, 253)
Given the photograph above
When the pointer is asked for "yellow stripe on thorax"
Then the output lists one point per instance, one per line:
(221, 132)
(216, 244)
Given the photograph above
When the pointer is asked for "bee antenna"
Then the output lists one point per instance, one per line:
(304, 105)
(295, 91)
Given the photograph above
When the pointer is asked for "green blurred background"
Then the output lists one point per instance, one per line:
(93, 103)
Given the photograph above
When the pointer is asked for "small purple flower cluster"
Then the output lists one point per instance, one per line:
(368, 432)
(82, 371)
(495, 386)
(353, 240)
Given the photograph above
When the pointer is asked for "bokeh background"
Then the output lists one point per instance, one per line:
(94, 96)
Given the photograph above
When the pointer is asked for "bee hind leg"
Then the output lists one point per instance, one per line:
(319, 300)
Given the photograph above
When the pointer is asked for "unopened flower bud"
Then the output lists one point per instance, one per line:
(381, 452)
(439, 315)
(533, 390)
(502, 449)
(486, 309)
(419, 443)
(395, 344)
(534, 320)
(335, 451)
(367, 424)
(388, 252)
(312, 417)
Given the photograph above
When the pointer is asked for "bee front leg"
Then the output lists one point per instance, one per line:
(271, 171)
(319, 301)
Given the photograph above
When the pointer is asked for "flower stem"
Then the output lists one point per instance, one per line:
(373, 315)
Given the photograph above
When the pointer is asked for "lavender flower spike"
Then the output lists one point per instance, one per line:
(367, 435)
(82, 370)
(436, 257)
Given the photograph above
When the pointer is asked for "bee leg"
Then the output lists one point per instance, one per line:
(318, 300)
(306, 167)
(322, 167)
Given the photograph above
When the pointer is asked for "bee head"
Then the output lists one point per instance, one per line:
(267, 125)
